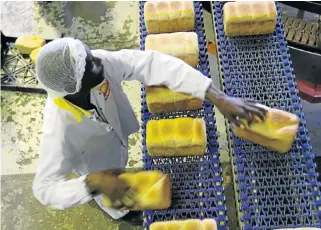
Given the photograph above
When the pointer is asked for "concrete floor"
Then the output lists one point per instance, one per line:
(107, 25)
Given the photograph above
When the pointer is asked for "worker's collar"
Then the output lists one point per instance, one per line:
(78, 112)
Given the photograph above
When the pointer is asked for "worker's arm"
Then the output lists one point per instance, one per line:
(52, 188)
(58, 147)
(50, 185)
(153, 68)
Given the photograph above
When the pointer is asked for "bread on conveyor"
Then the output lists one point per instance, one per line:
(153, 190)
(183, 45)
(307, 228)
(277, 132)
(176, 137)
(189, 224)
(27, 43)
(249, 18)
(34, 54)
(169, 16)
(163, 100)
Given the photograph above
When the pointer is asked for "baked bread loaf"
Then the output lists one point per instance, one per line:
(183, 45)
(249, 18)
(153, 190)
(163, 100)
(277, 132)
(27, 43)
(191, 224)
(169, 16)
(307, 228)
(176, 137)
(34, 54)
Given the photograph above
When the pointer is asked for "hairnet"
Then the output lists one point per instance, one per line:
(60, 66)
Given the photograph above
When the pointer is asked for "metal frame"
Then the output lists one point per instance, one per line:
(310, 6)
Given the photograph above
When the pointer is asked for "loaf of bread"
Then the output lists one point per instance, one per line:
(307, 228)
(176, 137)
(249, 18)
(27, 43)
(277, 132)
(34, 54)
(153, 190)
(183, 45)
(163, 100)
(191, 224)
(169, 16)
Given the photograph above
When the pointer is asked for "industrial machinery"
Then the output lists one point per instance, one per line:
(272, 190)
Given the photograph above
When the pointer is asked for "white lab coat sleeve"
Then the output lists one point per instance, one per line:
(50, 185)
(153, 68)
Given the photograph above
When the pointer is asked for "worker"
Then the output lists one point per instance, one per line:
(88, 118)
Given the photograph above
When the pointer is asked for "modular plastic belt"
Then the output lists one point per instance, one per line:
(18, 72)
(197, 190)
(274, 190)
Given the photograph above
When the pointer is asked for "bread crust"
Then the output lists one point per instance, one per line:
(277, 132)
(176, 137)
(249, 18)
(189, 224)
(182, 45)
(169, 16)
(153, 190)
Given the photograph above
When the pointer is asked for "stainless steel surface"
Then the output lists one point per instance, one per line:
(291, 11)
(306, 65)
(312, 114)
(300, 14)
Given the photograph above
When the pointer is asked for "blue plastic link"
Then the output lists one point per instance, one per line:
(197, 184)
(274, 190)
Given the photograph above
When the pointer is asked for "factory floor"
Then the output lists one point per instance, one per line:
(107, 25)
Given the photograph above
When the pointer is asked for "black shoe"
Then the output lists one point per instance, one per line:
(134, 218)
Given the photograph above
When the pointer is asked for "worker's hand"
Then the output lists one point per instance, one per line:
(235, 109)
(117, 191)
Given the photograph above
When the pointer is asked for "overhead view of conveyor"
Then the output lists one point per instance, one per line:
(161, 115)
(197, 190)
(273, 190)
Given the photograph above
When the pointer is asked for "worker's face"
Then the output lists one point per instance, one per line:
(94, 71)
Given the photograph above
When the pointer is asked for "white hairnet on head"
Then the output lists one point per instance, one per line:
(60, 66)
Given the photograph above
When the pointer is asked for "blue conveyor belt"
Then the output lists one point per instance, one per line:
(197, 190)
(274, 190)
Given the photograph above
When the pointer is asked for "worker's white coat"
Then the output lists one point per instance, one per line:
(84, 145)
